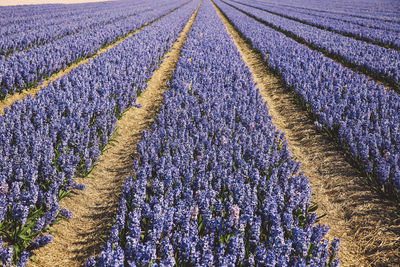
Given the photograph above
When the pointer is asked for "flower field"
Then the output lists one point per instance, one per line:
(216, 169)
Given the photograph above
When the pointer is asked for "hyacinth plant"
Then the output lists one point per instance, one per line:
(214, 184)
(358, 113)
(26, 69)
(381, 37)
(61, 132)
(72, 19)
(386, 11)
(312, 12)
(377, 61)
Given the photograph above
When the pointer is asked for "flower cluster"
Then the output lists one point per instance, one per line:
(377, 60)
(360, 113)
(26, 68)
(45, 140)
(214, 183)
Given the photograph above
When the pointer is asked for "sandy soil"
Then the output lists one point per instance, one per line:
(366, 225)
(94, 209)
(38, 2)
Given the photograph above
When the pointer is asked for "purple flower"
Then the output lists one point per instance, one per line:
(5, 253)
(79, 186)
(40, 242)
(65, 213)
(23, 258)
(39, 224)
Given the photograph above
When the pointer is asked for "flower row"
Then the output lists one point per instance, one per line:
(46, 140)
(24, 38)
(26, 68)
(360, 113)
(379, 36)
(385, 10)
(377, 60)
(214, 183)
(366, 22)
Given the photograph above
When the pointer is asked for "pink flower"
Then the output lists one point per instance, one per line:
(4, 188)
(194, 211)
(235, 211)
(251, 126)
(224, 140)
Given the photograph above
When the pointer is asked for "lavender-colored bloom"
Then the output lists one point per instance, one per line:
(39, 224)
(23, 258)
(20, 213)
(65, 213)
(114, 234)
(79, 186)
(5, 253)
(40, 242)
(334, 248)
(91, 262)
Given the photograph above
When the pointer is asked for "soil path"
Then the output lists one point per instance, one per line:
(94, 208)
(368, 229)
(10, 99)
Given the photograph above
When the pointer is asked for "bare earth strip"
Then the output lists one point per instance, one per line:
(94, 208)
(367, 227)
(10, 99)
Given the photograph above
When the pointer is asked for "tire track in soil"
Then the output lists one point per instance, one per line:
(94, 208)
(367, 226)
(11, 99)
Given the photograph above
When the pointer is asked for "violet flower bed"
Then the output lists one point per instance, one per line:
(366, 22)
(374, 59)
(360, 114)
(379, 36)
(26, 68)
(46, 140)
(45, 31)
(215, 184)
(383, 10)
(14, 19)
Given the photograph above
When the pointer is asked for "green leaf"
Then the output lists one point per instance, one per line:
(34, 260)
